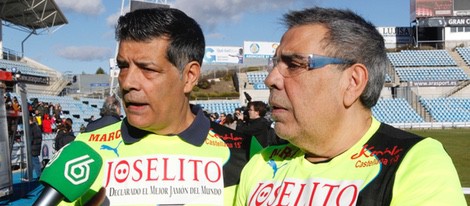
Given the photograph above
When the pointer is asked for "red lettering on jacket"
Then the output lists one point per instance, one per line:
(386, 157)
(157, 169)
(305, 192)
(106, 137)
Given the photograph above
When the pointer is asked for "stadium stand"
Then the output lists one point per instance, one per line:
(39, 78)
(256, 79)
(416, 58)
(407, 74)
(219, 106)
(72, 108)
(395, 111)
(24, 68)
(464, 52)
(449, 109)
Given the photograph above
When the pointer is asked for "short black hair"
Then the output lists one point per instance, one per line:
(187, 41)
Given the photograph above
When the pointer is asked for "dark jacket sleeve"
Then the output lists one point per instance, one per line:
(258, 128)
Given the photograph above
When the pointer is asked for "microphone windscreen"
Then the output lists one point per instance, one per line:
(72, 170)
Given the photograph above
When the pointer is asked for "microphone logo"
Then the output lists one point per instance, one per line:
(77, 170)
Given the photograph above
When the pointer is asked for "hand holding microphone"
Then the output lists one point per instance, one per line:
(69, 174)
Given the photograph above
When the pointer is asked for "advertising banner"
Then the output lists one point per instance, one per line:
(438, 8)
(258, 49)
(223, 54)
(458, 21)
(461, 8)
(463, 21)
(433, 83)
(430, 8)
(399, 35)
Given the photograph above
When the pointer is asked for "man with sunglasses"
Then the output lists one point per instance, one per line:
(327, 74)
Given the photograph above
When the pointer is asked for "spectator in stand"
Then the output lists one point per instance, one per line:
(230, 122)
(237, 112)
(110, 113)
(57, 112)
(34, 105)
(222, 118)
(215, 117)
(38, 116)
(70, 122)
(35, 134)
(64, 134)
(50, 109)
(8, 102)
(256, 125)
(16, 106)
(44, 108)
(47, 124)
(82, 128)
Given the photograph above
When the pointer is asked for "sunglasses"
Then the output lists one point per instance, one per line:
(290, 65)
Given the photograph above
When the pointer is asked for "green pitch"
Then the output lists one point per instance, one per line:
(457, 144)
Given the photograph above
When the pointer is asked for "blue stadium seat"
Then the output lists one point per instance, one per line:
(395, 111)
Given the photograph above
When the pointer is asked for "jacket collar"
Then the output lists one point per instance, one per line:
(195, 134)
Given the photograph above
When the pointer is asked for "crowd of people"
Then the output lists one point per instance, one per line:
(44, 118)
(49, 116)
(251, 120)
(327, 74)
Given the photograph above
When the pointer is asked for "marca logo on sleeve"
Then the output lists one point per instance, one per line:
(164, 179)
(314, 191)
(105, 137)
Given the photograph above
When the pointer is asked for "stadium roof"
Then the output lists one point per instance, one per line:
(31, 14)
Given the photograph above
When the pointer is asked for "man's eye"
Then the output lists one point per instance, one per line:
(122, 66)
(294, 65)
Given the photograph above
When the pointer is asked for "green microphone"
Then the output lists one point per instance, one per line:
(69, 174)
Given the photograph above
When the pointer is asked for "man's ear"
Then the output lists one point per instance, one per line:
(358, 77)
(191, 75)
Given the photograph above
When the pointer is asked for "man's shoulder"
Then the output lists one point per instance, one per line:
(388, 135)
(105, 133)
(101, 123)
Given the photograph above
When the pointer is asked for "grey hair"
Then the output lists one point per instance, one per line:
(111, 106)
(350, 37)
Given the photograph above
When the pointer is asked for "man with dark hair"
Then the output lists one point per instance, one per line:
(256, 125)
(172, 152)
(64, 134)
(328, 72)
